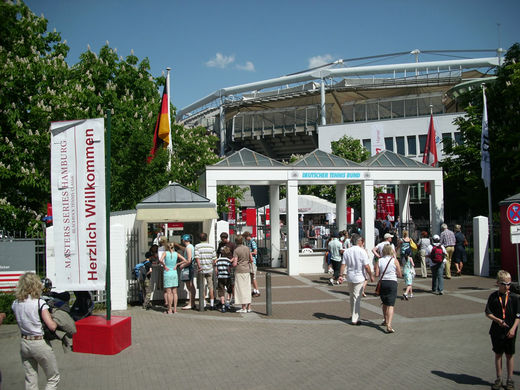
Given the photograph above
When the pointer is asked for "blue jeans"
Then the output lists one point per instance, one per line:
(437, 277)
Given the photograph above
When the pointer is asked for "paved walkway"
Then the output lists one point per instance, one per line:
(441, 342)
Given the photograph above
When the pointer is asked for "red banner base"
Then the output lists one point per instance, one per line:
(98, 336)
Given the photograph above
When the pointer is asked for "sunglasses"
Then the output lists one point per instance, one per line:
(505, 283)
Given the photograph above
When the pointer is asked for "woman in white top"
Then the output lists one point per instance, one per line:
(34, 350)
(388, 269)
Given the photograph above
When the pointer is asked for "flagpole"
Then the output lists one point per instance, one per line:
(170, 147)
(485, 127)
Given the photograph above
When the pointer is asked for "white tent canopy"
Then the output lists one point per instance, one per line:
(307, 204)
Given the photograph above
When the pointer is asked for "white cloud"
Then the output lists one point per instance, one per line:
(220, 61)
(249, 67)
(319, 60)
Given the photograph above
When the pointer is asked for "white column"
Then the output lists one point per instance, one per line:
(118, 283)
(436, 206)
(293, 255)
(323, 107)
(404, 200)
(210, 225)
(341, 206)
(368, 212)
(480, 245)
(274, 210)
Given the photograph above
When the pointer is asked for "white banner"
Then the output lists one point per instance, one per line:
(78, 204)
(377, 140)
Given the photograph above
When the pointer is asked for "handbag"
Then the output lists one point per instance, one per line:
(378, 286)
(413, 245)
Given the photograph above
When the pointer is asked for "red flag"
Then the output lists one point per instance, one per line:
(161, 135)
(430, 151)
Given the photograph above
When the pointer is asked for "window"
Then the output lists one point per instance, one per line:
(422, 143)
(389, 144)
(458, 138)
(412, 145)
(367, 143)
(360, 112)
(399, 141)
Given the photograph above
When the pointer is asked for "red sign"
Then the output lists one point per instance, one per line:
(513, 213)
(176, 225)
(385, 206)
(350, 216)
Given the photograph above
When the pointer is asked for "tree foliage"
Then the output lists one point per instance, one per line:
(465, 194)
(38, 87)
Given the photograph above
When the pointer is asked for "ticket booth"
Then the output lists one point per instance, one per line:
(173, 207)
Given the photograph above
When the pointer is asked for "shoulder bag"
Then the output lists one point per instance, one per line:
(378, 286)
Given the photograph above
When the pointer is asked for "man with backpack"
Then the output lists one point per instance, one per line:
(437, 254)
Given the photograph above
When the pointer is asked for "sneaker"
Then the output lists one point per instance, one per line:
(223, 309)
(510, 385)
(249, 310)
(242, 311)
(441, 293)
(411, 296)
(331, 281)
(497, 385)
(405, 296)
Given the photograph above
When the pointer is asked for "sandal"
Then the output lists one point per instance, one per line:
(390, 330)
(383, 323)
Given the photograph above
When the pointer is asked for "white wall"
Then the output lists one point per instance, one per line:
(391, 128)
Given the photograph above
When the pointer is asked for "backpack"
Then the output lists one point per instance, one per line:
(437, 255)
(140, 271)
(405, 246)
(312, 232)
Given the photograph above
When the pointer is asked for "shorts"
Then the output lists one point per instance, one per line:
(187, 274)
(501, 344)
(209, 280)
(252, 267)
(224, 285)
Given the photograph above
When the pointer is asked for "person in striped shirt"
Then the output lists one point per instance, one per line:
(223, 271)
(205, 256)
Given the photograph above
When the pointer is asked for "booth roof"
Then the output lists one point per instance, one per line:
(175, 203)
(388, 159)
(319, 158)
(511, 199)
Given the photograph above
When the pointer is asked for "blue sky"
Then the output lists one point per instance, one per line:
(215, 44)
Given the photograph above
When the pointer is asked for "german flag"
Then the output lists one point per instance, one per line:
(162, 132)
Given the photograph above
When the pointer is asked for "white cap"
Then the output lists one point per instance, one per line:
(388, 235)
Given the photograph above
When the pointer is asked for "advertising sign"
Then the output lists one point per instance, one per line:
(385, 206)
(78, 204)
(232, 216)
(377, 140)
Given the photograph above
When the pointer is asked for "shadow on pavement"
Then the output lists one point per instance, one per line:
(462, 379)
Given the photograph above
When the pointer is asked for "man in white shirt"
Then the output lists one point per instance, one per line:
(355, 259)
(378, 249)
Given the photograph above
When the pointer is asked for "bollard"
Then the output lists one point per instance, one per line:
(268, 297)
(200, 284)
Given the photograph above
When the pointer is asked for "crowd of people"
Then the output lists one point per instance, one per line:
(230, 269)
(348, 260)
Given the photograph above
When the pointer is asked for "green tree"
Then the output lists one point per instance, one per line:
(37, 87)
(465, 194)
(32, 67)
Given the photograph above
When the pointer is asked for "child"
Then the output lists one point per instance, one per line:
(503, 309)
(222, 268)
(408, 273)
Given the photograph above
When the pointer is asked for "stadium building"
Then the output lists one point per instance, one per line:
(385, 105)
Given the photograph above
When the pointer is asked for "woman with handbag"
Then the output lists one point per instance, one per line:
(387, 284)
(31, 312)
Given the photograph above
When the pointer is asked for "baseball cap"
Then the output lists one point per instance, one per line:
(388, 235)
(186, 237)
(436, 238)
